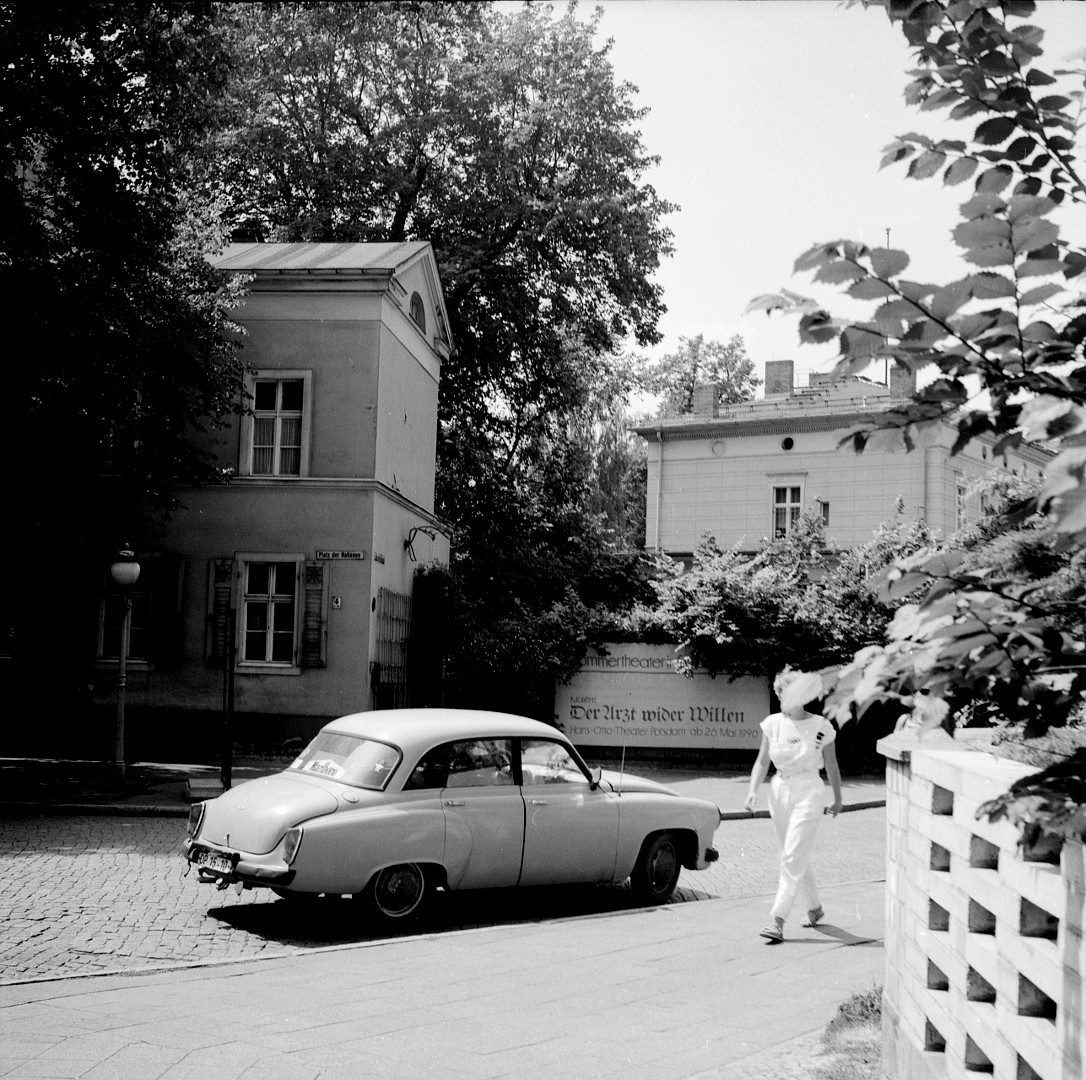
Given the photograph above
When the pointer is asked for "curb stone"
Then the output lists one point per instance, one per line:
(745, 815)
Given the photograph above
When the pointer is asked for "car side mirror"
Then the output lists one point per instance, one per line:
(596, 775)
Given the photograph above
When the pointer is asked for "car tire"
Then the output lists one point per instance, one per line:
(656, 872)
(398, 893)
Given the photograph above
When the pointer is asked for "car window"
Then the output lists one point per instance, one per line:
(349, 759)
(546, 762)
(468, 763)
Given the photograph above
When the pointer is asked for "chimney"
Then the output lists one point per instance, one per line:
(706, 399)
(778, 377)
(902, 381)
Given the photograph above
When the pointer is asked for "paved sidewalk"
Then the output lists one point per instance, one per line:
(681, 992)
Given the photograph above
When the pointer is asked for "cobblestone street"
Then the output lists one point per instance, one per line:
(97, 893)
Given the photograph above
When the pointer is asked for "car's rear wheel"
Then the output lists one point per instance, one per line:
(398, 892)
(656, 872)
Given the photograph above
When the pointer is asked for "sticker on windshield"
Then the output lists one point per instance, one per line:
(325, 767)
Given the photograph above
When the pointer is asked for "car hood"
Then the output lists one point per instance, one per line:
(253, 816)
(626, 783)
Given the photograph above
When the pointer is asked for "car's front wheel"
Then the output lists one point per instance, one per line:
(397, 892)
(656, 872)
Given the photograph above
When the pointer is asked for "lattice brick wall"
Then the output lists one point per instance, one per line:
(984, 942)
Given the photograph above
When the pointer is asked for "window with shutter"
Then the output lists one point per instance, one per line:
(270, 602)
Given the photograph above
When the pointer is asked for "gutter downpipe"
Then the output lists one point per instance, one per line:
(659, 488)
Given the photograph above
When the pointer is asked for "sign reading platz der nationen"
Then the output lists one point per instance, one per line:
(633, 696)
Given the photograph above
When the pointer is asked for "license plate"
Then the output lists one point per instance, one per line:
(210, 860)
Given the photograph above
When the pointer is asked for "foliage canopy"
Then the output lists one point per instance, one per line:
(505, 141)
(676, 376)
(102, 253)
(996, 631)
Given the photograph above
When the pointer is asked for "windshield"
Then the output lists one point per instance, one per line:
(349, 759)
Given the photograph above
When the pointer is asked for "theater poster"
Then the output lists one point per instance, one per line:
(631, 695)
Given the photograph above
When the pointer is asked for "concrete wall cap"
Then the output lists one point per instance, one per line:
(900, 745)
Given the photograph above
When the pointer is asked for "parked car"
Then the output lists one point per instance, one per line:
(390, 805)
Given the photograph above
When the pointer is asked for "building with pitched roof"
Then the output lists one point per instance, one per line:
(284, 596)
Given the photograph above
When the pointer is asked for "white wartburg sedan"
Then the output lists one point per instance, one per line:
(390, 805)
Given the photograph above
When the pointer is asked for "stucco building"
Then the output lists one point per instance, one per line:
(285, 594)
(742, 473)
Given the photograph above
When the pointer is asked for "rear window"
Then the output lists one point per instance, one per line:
(349, 759)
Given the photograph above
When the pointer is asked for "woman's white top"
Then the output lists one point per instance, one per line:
(795, 746)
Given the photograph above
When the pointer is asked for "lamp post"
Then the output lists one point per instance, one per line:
(125, 571)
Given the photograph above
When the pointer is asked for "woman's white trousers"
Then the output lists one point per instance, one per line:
(796, 805)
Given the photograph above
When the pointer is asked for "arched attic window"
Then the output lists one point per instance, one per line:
(418, 311)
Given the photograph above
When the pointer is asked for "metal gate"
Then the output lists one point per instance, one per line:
(388, 675)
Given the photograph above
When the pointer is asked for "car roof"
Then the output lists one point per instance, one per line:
(419, 729)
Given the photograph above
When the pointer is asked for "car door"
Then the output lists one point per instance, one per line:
(484, 815)
(570, 829)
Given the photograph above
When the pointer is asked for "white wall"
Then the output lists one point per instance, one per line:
(722, 486)
(984, 947)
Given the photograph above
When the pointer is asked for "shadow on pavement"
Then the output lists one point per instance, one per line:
(325, 920)
(844, 936)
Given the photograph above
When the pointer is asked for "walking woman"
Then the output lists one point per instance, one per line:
(800, 744)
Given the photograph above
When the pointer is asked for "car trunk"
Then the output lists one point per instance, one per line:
(253, 816)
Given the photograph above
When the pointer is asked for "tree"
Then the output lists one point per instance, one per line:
(697, 361)
(615, 461)
(102, 262)
(505, 141)
(1014, 328)
(796, 603)
(104, 252)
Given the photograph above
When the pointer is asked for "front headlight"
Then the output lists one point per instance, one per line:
(292, 840)
(196, 819)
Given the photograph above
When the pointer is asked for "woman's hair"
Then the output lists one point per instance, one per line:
(784, 677)
(810, 690)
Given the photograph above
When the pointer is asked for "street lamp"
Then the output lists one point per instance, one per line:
(125, 571)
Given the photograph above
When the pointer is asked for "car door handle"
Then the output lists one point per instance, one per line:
(454, 802)
(537, 802)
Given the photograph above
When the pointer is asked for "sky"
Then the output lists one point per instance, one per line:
(769, 117)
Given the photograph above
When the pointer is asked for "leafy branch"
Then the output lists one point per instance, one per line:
(1000, 626)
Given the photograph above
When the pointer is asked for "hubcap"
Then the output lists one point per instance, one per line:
(399, 890)
(663, 867)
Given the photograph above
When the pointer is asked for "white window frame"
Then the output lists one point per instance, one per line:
(243, 560)
(245, 465)
(794, 510)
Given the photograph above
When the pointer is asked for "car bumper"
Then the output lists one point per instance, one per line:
(246, 870)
